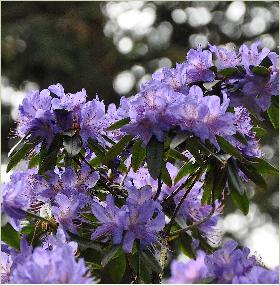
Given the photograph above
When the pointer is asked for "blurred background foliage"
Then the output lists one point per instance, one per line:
(110, 48)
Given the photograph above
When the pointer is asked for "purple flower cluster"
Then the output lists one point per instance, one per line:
(140, 218)
(171, 100)
(55, 263)
(228, 265)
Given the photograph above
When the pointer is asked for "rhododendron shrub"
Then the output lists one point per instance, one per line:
(112, 194)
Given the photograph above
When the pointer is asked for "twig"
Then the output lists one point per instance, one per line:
(195, 224)
(125, 176)
(173, 194)
(182, 200)
(159, 187)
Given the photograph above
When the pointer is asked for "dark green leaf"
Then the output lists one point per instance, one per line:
(263, 166)
(138, 155)
(273, 114)
(186, 169)
(259, 70)
(227, 72)
(72, 145)
(179, 139)
(234, 178)
(98, 150)
(194, 147)
(49, 158)
(15, 147)
(177, 155)
(240, 200)
(154, 157)
(34, 161)
(260, 132)
(208, 185)
(186, 246)
(165, 176)
(252, 174)
(116, 268)
(241, 138)
(210, 85)
(20, 154)
(10, 236)
(119, 124)
(228, 148)
(208, 280)
(116, 149)
(85, 243)
(221, 177)
(150, 260)
(110, 255)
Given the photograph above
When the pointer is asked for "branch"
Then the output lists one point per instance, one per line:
(198, 175)
(195, 224)
(159, 187)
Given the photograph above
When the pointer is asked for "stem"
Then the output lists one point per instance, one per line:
(159, 187)
(179, 188)
(182, 200)
(125, 176)
(195, 224)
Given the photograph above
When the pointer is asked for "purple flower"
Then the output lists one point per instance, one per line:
(225, 58)
(68, 101)
(258, 275)
(192, 210)
(65, 210)
(259, 89)
(92, 120)
(6, 265)
(148, 112)
(243, 125)
(15, 200)
(217, 121)
(144, 219)
(36, 117)
(111, 218)
(188, 272)
(57, 266)
(198, 64)
(229, 262)
(251, 56)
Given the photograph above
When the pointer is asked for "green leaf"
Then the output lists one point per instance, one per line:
(193, 145)
(119, 124)
(208, 185)
(177, 155)
(273, 114)
(240, 138)
(259, 131)
(228, 148)
(116, 268)
(208, 280)
(116, 149)
(85, 243)
(138, 155)
(179, 139)
(72, 145)
(221, 177)
(110, 255)
(10, 236)
(234, 178)
(227, 72)
(165, 176)
(20, 154)
(186, 246)
(259, 70)
(154, 157)
(49, 158)
(210, 85)
(150, 260)
(15, 147)
(240, 200)
(263, 166)
(186, 169)
(252, 174)
(34, 161)
(98, 150)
